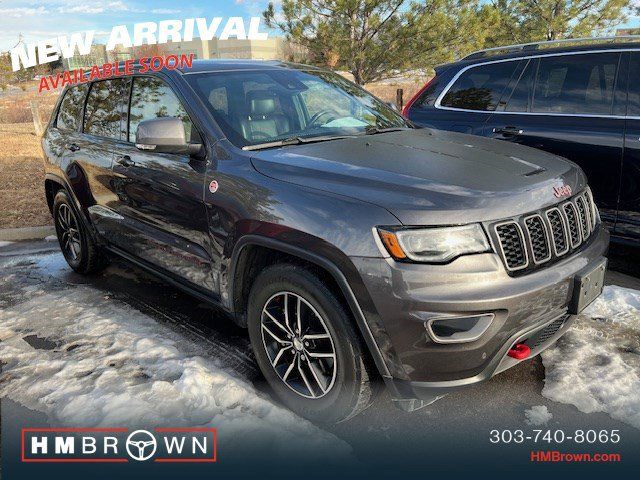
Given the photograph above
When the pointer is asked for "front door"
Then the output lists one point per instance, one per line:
(629, 210)
(160, 196)
(567, 105)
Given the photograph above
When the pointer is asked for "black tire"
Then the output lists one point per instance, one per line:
(78, 247)
(351, 390)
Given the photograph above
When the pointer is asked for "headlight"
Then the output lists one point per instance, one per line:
(437, 245)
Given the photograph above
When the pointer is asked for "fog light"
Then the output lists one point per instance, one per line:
(458, 329)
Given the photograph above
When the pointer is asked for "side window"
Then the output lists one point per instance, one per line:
(581, 84)
(633, 108)
(72, 104)
(152, 98)
(521, 95)
(105, 108)
(480, 88)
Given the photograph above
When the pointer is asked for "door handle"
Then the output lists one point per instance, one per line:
(508, 131)
(73, 147)
(125, 161)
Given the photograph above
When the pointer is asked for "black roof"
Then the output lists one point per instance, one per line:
(535, 51)
(200, 66)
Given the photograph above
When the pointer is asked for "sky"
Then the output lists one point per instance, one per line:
(38, 20)
(45, 19)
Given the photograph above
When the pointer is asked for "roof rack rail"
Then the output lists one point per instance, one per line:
(536, 45)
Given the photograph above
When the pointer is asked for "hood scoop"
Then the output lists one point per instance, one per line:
(537, 169)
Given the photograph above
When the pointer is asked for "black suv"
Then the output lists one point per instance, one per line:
(350, 244)
(581, 102)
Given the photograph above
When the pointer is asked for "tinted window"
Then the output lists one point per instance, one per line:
(633, 108)
(70, 108)
(576, 84)
(429, 94)
(152, 98)
(105, 107)
(480, 88)
(521, 95)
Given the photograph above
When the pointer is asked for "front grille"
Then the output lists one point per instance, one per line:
(574, 228)
(538, 240)
(558, 231)
(550, 234)
(585, 217)
(512, 245)
(547, 332)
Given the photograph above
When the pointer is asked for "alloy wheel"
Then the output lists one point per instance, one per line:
(299, 345)
(69, 233)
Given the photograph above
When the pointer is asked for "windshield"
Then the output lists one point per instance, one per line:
(263, 106)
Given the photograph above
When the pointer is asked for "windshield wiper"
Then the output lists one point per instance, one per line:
(294, 141)
(373, 130)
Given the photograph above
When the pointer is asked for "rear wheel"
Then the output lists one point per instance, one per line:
(306, 345)
(79, 250)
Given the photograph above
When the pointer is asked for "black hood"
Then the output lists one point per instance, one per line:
(427, 177)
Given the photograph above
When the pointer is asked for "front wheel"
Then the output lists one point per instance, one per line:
(306, 345)
(79, 250)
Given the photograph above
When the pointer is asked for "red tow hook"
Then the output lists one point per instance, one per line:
(519, 351)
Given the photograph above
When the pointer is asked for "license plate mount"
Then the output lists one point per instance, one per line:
(587, 286)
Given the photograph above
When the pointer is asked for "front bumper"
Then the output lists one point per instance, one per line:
(406, 296)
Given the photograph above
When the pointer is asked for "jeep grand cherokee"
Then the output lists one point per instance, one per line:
(350, 244)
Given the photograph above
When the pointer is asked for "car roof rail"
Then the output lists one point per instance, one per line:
(521, 47)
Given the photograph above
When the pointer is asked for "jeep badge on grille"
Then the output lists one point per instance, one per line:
(563, 191)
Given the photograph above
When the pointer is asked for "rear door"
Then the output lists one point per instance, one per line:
(465, 106)
(66, 132)
(568, 105)
(628, 224)
(163, 220)
(102, 129)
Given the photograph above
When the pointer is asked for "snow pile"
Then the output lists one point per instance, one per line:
(596, 365)
(88, 361)
(537, 415)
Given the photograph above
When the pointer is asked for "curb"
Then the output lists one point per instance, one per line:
(26, 233)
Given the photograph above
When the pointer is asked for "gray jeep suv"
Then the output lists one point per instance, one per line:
(351, 244)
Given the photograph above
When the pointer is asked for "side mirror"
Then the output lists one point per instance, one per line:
(164, 135)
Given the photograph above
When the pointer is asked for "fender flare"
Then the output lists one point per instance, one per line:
(335, 273)
(76, 203)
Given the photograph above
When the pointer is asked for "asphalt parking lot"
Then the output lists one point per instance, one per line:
(382, 429)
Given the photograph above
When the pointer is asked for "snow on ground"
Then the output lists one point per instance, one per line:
(537, 415)
(596, 364)
(4, 243)
(86, 360)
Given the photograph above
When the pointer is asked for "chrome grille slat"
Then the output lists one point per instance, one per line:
(538, 239)
(512, 245)
(558, 231)
(531, 240)
(571, 216)
(583, 216)
(592, 207)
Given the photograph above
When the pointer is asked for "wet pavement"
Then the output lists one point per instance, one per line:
(382, 431)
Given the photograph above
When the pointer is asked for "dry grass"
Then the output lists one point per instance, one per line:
(15, 106)
(387, 91)
(21, 178)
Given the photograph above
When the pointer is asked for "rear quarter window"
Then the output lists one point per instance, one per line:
(480, 88)
(69, 114)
